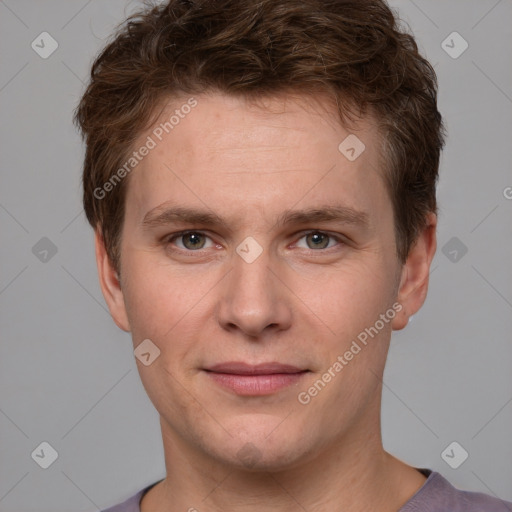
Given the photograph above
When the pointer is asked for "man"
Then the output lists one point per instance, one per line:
(261, 179)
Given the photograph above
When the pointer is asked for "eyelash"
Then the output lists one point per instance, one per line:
(170, 238)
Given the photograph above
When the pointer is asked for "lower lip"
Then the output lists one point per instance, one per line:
(256, 385)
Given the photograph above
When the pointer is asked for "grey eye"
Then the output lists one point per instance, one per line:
(193, 240)
(318, 240)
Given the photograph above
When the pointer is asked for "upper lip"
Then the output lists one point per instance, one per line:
(240, 368)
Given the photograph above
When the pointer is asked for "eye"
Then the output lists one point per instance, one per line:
(190, 240)
(318, 240)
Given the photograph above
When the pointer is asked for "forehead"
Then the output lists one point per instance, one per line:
(236, 154)
(237, 125)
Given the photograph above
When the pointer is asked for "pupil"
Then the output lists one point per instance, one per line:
(319, 239)
(193, 240)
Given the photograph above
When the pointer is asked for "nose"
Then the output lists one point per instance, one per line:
(254, 299)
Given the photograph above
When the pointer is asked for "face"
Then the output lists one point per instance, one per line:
(256, 256)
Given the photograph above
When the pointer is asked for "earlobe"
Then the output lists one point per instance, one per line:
(413, 287)
(110, 284)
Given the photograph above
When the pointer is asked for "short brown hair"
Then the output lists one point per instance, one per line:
(353, 50)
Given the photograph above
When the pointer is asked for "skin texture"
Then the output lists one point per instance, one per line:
(295, 304)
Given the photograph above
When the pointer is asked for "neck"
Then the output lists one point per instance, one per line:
(355, 474)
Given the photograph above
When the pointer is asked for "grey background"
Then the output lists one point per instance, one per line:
(67, 373)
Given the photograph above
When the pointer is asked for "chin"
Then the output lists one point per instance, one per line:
(257, 457)
(265, 449)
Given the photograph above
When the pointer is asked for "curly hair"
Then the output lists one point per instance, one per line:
(355, 51)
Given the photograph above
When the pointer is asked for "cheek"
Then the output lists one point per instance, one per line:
(166, 305)
(350, 305)
(154, 299)
(346, 300)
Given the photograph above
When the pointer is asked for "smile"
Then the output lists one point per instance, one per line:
(255, 380)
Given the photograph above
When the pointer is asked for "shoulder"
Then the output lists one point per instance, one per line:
(438, 495)
(132, 504)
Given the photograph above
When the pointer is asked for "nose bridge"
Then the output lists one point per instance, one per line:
(253, 298)
(251, 269)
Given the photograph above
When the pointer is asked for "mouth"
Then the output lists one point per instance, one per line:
(255, 380)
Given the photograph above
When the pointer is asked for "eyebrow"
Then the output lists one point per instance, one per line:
(163, 215)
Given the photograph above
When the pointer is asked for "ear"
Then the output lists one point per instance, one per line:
(413, 287)
(110, 284)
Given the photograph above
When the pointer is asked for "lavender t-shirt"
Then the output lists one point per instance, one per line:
(435, 495)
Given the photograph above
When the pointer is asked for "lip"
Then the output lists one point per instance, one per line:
(254, 380)
(241, 368)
